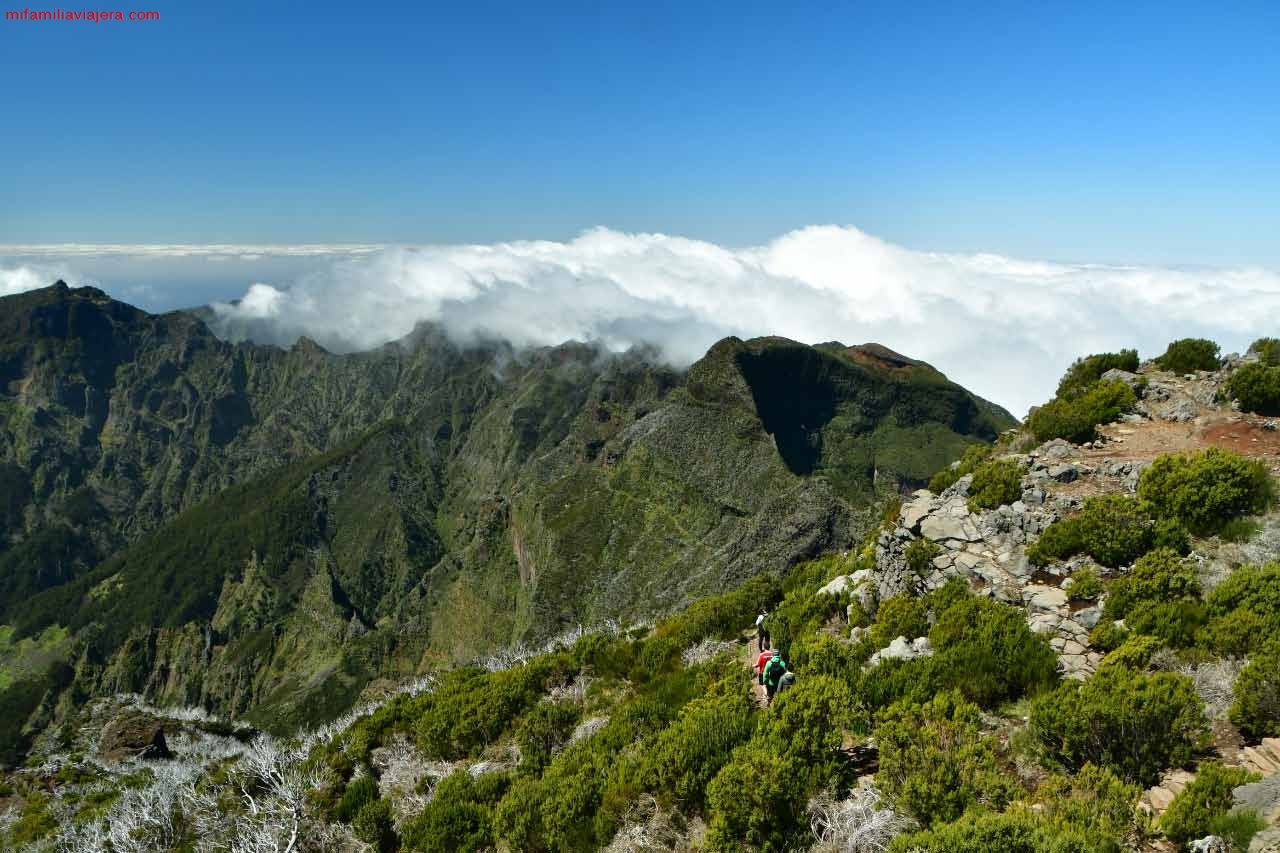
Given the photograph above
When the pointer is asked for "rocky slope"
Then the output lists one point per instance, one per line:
(265, 532)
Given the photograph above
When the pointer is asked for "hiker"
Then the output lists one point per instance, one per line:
(772, 676)
(787, 681)
(761, 660)
(762, 633)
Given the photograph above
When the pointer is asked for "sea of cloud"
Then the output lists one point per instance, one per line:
(1004, 327)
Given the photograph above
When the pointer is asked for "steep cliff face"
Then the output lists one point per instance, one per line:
(264, 532)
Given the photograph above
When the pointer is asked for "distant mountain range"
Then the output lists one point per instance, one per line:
(266, 532)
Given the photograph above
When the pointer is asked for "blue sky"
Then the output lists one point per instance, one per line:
(1134, 132)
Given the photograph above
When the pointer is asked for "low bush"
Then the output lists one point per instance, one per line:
(1108, 636)
(1096, 801)
(1205, 799)
(935, 763)
(1086, 584)
(1267, 349)
(1014, 832)
(1115, 530)
(1187, 355)
(1256, 387)
(543, 730)
(1134, 653)
(997, 482)
(920, 555)
(1256, 710)
(459, 815)
(1084, 372)
(689, 753)
(359, 793)
(1238, 827)
(899, 616)
(1134, 723)
(974, 455)
(1077, 418)
(1244, 610)
(1159, 597)
(1205, 489)
(754, 803)
(375, 826)
(987, 651)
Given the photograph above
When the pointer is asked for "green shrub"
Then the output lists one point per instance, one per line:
(359, 793)
(1159, 597)
(1267, 349)
(459, 814)
(689, 753)
(1095, 801)
(1205, 489)
(920, 554)
(1236, 633)
(1134, 723)
(1256, 387)
(1176, 623)
(974, 455)
(1256, 710)
(1113, 529)
(1076, 418)
(995, 483)
(754, 803)
(473, 708)
(1014, 832)
(374, 825)
(1205, 799)
(935, 762)
(1134, 653)
(806, 723)
(987, 651)
(1187, 355)
(1244, 610)
(543, 730)
(1084, 372)
(1238, 827)
(1108, 636)
(899, 616)
(1086, 584)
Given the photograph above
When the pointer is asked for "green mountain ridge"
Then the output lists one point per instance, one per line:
(265, 532)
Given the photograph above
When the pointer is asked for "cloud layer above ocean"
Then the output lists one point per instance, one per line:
(1004, 327)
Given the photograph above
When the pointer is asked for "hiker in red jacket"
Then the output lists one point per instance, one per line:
(761, 661)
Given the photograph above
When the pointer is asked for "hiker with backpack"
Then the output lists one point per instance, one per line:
(772, 675)
(762, 633)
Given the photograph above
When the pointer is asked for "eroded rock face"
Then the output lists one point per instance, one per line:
(133, 735)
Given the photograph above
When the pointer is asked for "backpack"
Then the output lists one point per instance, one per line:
(773, 672)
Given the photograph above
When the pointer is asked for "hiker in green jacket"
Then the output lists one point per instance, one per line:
(772, 675)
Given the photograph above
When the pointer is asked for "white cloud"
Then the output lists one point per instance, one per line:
(1004, 327)
(26, 277)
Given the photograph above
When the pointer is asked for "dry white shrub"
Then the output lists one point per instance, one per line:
(587, 728)
(574, 691)
(858, 824)
(704, 651)
(648, 827)
(1213, 680)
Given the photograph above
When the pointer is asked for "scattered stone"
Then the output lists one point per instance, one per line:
(903, 649)
(1065, 473)
(1210, 844)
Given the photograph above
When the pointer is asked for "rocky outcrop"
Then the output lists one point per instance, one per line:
(133, 735)
(988, 551)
